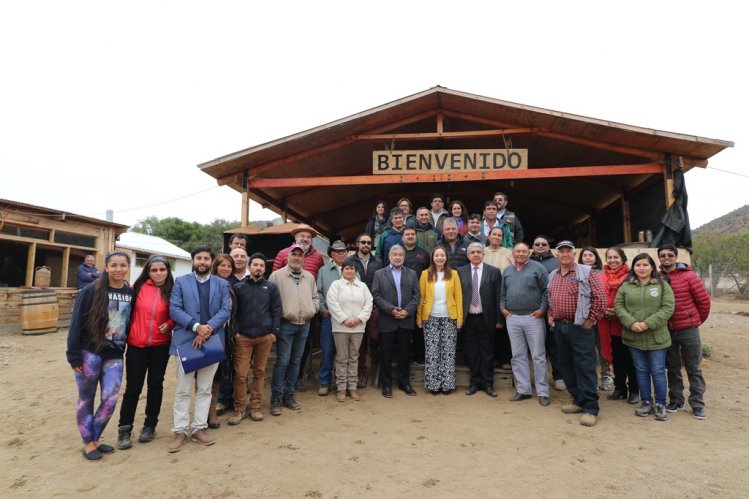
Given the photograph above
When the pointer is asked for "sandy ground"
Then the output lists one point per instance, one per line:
(454, 446)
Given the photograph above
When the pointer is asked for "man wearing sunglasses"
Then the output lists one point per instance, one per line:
(692, 309)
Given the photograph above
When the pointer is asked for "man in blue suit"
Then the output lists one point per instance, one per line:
(200, 306)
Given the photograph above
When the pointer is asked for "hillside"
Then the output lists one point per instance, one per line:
(735, 222)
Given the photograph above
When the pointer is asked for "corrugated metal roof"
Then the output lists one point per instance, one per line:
(151, 244)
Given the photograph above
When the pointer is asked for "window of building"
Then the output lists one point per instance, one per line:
(75, 239)
(21, 231)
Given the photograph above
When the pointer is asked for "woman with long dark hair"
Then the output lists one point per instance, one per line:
(644, 303)
(223, 267)
(96, 342)
(147, 353)
(440, 313)
(377, 224)
(625, 378)
(458, 211)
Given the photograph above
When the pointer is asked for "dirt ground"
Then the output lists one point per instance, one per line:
(454, 446)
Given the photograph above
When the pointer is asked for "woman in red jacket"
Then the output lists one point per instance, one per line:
(615, 272)
(147, 348)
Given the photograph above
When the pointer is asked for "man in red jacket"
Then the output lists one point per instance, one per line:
(303, 235)
(692, 309)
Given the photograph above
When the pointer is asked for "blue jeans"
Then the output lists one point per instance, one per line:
(327, 352)
(289, 349)
(650, 364)
(576, 350)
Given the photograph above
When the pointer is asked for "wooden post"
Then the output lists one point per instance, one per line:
(668, 180)
(626, 221)
(30, 260)
(65, 267)
(245, 219)
(440, 123)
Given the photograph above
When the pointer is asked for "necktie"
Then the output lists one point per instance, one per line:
(475, 299)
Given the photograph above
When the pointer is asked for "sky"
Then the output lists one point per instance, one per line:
(112, 105)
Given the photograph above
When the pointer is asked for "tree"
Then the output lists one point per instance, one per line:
(729, 256)
(185, 234)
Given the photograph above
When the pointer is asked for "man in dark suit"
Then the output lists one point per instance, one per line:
(481, 290)
(199, 305)
(395, 290)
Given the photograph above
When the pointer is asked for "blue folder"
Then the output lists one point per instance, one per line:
(210, 352)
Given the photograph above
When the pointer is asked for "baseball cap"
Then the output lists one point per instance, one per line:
(565, 244)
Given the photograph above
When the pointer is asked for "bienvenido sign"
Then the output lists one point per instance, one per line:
(449, 160)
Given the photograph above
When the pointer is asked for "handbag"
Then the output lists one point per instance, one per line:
(191, 358)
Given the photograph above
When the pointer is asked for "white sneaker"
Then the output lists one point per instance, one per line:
(607, 382)
(559, 385)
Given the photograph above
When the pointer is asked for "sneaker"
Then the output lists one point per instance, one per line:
(256, 415)
(341, 396)
(699, 413)
(572, 409)
(362, 383)
(645, 409)
(179, 441)
(660, 412)
(588, 419)
(354, 395)
(292, 404)
(146, 434)
(236, 418)
(124, 437)
(203, 438)
(674, 407)
(275, 407)
(607, 383)
(323, 391)
(559, 385)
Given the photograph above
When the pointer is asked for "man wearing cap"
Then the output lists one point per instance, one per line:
(329, 273)
(692, 309)
(300, 303)
(395, 290)
(576, 301)
(303, 235)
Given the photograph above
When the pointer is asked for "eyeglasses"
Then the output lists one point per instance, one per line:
(366, 243)
(666, 255)
(540, 244)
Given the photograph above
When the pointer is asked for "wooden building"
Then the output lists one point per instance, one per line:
(585, 179)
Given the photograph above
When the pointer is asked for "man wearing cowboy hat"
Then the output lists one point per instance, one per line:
(303, 235)
(329, 273)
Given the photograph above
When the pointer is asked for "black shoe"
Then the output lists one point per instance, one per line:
(94, 455)
(544, 401)
(490, 391)
(472, 389)
(387, 392)
(124, 437)
(674, 407)
(435, 392)
(408, 389)
(105, 448)
(522, 396)
(634, 398)
(699, 413)
(616, 395)
(146, 434)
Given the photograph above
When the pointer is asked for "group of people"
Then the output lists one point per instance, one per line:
(414, 286)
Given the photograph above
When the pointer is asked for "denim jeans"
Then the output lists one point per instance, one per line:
(576, 350)
(289, 349)
(650, 364)
(327, 352)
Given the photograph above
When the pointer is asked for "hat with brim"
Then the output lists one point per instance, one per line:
(337, 246)
(303, 228)
(296, 246)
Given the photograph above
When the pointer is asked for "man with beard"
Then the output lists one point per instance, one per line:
(303, 235)
(366, 266)
(509, 217)
(692, 309)
(258, 320)
(199, 305)
(300, 301)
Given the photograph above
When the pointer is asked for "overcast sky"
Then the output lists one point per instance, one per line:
(107, 105)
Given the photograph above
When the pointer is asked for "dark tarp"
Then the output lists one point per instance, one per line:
(675, 227)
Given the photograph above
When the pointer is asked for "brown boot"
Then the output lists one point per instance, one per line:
(354, 395)
(201, 437)
(179, 441)
(341, 395)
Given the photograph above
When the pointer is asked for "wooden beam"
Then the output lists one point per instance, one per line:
(575, 171)
(626, 220)
(65, 267)
(469, 134)
(440, 123)
(245, 215)
(30, 261)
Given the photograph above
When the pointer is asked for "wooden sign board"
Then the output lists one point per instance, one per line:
(448, 160)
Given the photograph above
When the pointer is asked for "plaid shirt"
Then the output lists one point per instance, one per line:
(563, 292)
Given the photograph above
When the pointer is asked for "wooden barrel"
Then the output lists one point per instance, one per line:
(38, 311)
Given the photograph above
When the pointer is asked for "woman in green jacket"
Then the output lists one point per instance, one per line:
(644, 303)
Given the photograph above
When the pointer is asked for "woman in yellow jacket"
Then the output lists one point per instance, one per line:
(440, 313)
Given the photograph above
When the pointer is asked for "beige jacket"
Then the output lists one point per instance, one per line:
(349, 299)
(300, 301)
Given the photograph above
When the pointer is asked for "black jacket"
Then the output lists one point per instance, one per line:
(373, 266)
(259, 308)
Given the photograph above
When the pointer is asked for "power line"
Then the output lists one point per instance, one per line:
(727, 171)
(165, 202)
